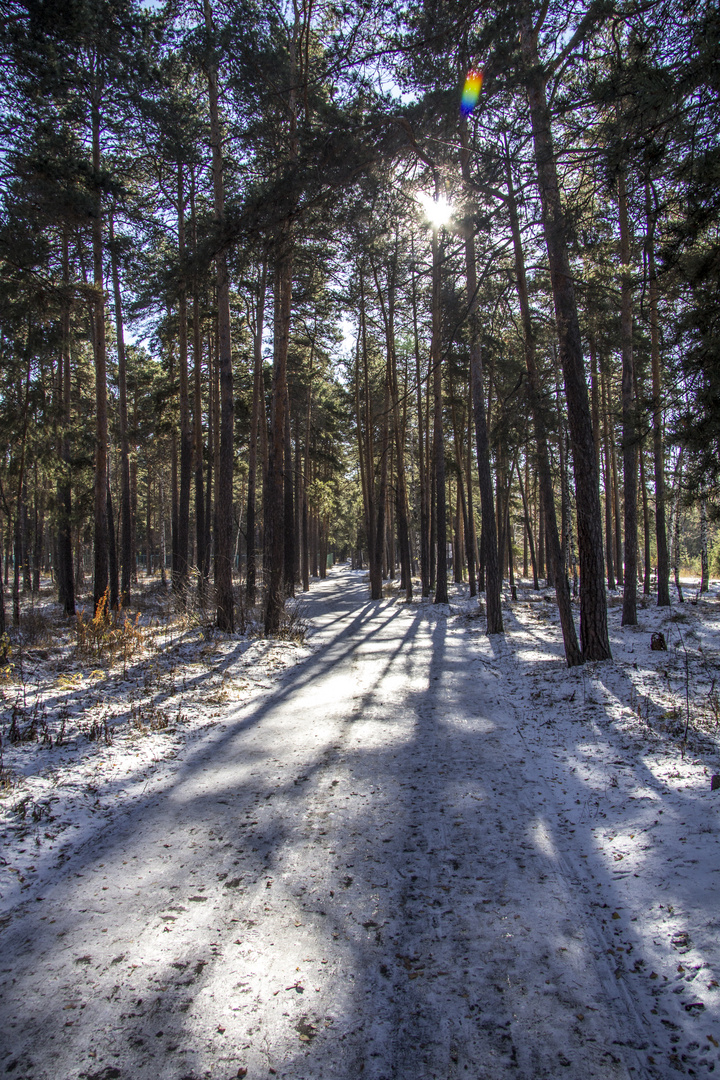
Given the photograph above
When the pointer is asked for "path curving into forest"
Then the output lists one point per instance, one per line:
(358, 875)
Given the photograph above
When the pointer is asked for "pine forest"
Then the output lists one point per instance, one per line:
(360, 419)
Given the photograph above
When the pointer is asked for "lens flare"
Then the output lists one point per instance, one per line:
(437, 209)
(471, 92)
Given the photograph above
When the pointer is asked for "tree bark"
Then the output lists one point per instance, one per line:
(100, 573)
(305, 480)
(126, 549)
(646, 522)
(197, 434)
(441, 593)
(663, 562)
(489, 541)
(403, 533)
(704, 567)
(225, 615)
(275, 503)
(66, 586)
(114, 596)
(472, 538)
(554, 553)
(258, 417)
(422, 458)
(675, 529)
(607, 474)
(186, 434)
(593, 602)
(18, 554)
(289, 560)
(528, 529)
(630, 465)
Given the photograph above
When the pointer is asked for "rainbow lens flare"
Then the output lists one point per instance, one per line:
(471, 92)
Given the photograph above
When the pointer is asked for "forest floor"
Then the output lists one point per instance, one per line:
(399, 850)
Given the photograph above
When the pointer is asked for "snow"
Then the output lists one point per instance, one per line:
(400, 850)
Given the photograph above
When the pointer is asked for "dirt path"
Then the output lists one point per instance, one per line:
(359, 876)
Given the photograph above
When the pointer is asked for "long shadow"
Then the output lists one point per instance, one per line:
(456, 878)
(308, 671)
(622, 808)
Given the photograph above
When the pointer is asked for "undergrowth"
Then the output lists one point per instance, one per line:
(109, 633)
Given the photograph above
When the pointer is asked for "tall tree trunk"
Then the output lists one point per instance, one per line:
(630, 465)
(704, 567)
(422, 456)
(174, 493)
(202, 554)
(441, 593)
(65, 552)
(619, 562)
(289, 560)
(593, 602)
(298, 499)
(212, 455)
(489, 540)
(511, 558)
(541, 539)
(258, 417)
(380, 550)
(471, 537)
(401, 499)
(19, 501)
(528, 528)
(663, 562)
(186, 433)
(556, 569)
(305, 513)
(275, 503)
(163, 538)
(126, 549)
(403, 533)
(3, 622)
(373, 512)
(676, 526)
(225, 615)
(646, 525)
(608, 479)
(100, 574)
(595, 398)
(279, 501)
(459, 537)
(114, 596)
(134, 483)
(464, 528)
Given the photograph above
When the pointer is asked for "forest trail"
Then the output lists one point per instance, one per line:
(359, 875)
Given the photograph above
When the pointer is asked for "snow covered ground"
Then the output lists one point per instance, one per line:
(401, 850)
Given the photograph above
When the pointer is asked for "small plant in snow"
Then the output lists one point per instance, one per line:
(7, 780)
(108, 634)
(144, 717)
(294, 625)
